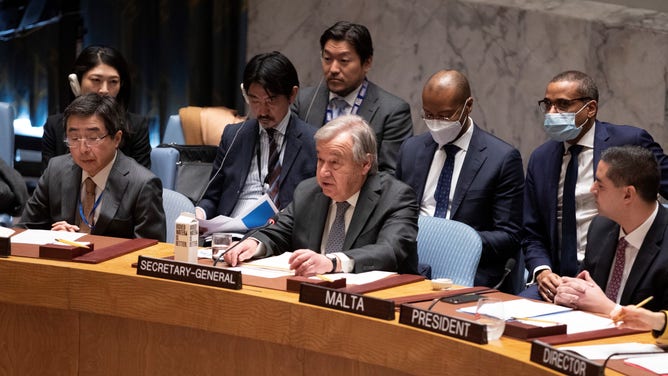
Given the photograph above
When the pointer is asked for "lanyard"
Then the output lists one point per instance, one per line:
(356, 106)
(263, 182)
(81, 212)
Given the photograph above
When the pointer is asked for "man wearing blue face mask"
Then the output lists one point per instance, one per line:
(460, 172)
(558, 205)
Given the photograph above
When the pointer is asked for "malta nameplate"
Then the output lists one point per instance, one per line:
(186, 272)
(345, 301)
(442, 324)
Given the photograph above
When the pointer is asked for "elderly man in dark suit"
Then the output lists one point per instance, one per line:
(349, 218)
(558, 206)
(96, 188)
(347, 54)
(627, 244)
(486, 174)
(269, 154)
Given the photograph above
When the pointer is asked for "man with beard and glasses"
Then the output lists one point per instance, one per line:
(270, 154)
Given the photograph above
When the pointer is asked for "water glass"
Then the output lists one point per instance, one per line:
(220, 241)
(490, 312)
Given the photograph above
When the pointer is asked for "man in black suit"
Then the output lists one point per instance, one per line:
(347, 54)
(349, 218)
(487, 177)
(96, 188)
(244, 169)
(627, 244)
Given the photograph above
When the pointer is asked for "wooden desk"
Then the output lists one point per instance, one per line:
(62, 318)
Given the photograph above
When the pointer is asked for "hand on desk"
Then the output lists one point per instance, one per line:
(547, 284)
(307, 263)
(64, 226)
(241, 252)
(583, 293)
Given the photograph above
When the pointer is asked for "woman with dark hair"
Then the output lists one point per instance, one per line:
(101, 70)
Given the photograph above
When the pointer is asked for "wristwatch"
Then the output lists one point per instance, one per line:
(334, 263)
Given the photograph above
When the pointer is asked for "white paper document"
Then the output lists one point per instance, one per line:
(580, 321)
(604, 351)
(654, 363)
(6, 232)
(256, 216)
(522, 308)
(40, 237)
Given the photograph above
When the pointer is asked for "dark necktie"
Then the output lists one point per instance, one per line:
(88, 202)
(612, 289)
(442, 195)
(273, 167)
(569, 232)
(337, 233)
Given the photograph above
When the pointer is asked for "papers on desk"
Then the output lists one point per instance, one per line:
(6, 232)
(580, 321)
(41, 237)
(522, 308)
(654, 363)
(604, 351)
(256, 216)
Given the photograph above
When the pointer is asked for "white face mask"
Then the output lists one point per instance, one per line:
(444, 131)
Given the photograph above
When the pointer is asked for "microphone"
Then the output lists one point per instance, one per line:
(222, 163)
(510, 264)
(250, 233)
(315, 94)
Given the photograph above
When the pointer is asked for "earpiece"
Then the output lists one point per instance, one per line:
(74, 84)
(243, 92)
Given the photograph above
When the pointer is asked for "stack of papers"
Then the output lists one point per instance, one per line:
(256, 216)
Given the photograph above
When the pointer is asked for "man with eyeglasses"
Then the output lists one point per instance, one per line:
(346, 56)
(96, 188)
(269, 154)
(463, 173)
(558, 205)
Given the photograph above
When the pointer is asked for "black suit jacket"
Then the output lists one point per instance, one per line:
(388, 115)
(131, 206)
(488, 195)
(649, 274)
(299, 162)
(381, 235)
(135, 141)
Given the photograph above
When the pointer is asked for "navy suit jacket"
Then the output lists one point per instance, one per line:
(299, 163)
(388, 115)
(381, 235)
(541, 240)
(649, 274)
(488, 196)
(131, 206)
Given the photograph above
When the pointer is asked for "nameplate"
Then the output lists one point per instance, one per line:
(565, 362)
(345, 301)
(186, 272)
(443, 324)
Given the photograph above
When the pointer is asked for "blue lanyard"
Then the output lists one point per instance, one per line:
(356, 106)
(81, 212)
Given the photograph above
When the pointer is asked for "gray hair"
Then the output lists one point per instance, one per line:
(364, 139)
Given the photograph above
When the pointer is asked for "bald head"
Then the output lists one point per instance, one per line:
(448, 83)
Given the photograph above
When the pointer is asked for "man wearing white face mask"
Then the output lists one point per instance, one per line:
(460, 172)
(558, 205)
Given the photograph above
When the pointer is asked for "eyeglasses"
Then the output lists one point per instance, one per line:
(453, 117)
(75, 142)
(271, 100)
(562, 105)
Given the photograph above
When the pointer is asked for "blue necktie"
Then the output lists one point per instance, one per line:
(442, 195)
(569, 232)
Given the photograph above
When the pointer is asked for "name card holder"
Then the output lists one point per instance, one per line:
(187, 272)
(64, 252)
(5, 247)
(348, 302)
(565, 362)
(442, 324)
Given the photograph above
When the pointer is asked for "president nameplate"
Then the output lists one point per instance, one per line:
(564, 361)
(345, 301)
(187, 272)
(443, 324)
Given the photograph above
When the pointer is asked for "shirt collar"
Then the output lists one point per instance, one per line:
(350, 98)
(587, 139)
(465, 139)
(281, 127)
(352, 200)
(637, 236)
(101, 177)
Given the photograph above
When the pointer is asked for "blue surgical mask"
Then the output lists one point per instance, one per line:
(561, 126)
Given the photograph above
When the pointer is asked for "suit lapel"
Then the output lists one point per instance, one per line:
(605, 254)
(475, 157)
(648, 252)
(316, 113)
(247, 152)
(370, 103)
(71, 182)
(317, 217)
(423, 158)
(366, 205)
(114, 191)
(292, 146)
(601, 142)
(551, 173)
